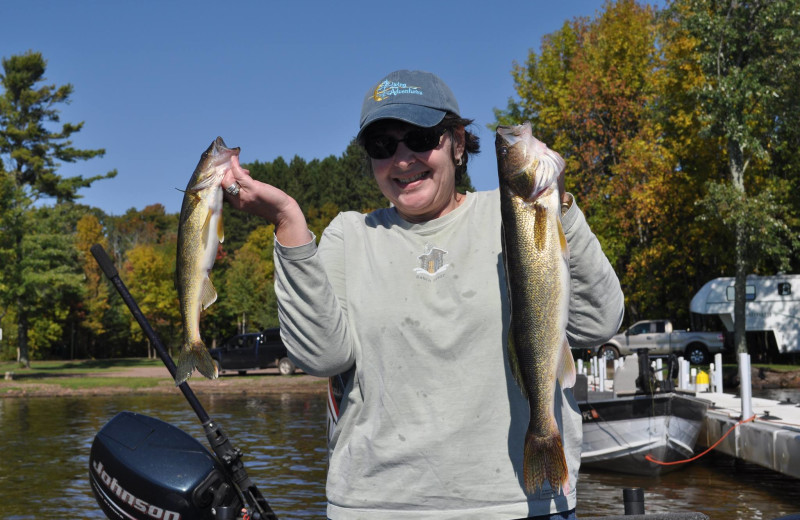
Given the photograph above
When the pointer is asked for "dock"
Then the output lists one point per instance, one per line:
(771, 438)
(760, 431)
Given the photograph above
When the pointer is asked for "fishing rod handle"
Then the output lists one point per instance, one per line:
(104, 261)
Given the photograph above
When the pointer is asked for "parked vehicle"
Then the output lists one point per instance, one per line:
(660, 339)
(772, 308)
(252, 351)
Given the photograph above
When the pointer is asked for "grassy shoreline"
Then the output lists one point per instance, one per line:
(137, 375)
(141, 375)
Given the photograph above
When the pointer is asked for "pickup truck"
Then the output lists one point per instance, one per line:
(252, 351)
(660, 339)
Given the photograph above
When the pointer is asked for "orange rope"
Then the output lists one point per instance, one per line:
(662, 463)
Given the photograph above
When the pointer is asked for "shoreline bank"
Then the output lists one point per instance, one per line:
(156, 380)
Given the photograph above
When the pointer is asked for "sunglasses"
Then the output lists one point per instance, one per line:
(382, 146)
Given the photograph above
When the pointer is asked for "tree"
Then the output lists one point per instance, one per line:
(50, 279)
(150, 225)
(249, 289)
(749, 53)
(30, 152)
(89, 231)
(592, 94)
(150, 271)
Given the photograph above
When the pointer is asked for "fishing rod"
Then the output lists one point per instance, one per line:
(227, 455)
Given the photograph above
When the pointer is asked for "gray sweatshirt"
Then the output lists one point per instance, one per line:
(431, 423)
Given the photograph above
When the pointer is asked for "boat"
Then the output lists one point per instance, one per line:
(635, 429)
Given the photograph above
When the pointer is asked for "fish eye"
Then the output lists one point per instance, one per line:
(504, 150)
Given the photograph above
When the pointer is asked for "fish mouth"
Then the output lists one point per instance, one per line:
(513, 134)
(218, 147)
(220, 151)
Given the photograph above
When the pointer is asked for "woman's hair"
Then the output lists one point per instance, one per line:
(471, 141)
(449, 123)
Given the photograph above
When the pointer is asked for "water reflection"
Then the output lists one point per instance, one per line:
(719, 486)
(45, 445)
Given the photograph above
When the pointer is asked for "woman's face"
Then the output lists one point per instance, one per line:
(421, 185)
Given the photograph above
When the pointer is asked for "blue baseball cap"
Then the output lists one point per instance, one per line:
(413, 96)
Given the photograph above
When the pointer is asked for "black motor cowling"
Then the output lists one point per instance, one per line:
(143, 468)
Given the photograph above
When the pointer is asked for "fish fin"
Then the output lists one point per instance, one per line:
(220, 230)
(206, 230)
(544, 460)
(516, 369)
(205, 183)
(567, 374)
(562, 237)
(209, 294)
(194, 356)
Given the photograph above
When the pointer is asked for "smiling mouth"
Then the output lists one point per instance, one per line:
(409, 180)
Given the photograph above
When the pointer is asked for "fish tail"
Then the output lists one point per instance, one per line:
(194, 356)
(544, 460)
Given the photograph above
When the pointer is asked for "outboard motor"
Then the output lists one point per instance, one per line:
(143, 468)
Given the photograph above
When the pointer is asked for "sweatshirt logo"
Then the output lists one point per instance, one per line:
(393, 88)
(431, 262)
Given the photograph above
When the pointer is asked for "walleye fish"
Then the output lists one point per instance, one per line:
(537, 272)
(199, 235)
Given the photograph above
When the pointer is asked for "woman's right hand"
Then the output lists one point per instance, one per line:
(268, 202)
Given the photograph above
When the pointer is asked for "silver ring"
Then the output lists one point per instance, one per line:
(233, 189)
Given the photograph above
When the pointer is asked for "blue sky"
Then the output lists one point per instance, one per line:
(156, 82)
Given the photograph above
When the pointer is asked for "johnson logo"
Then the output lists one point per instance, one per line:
(393, 88)
(138, 504)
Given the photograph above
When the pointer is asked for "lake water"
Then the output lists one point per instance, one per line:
(45, 442)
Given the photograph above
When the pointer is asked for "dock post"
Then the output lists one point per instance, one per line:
(683, 374)
(602, 367)
(712, 377)
(633, 501)
(745, 386)
(579, 366)
(659, 369)
(718, 373)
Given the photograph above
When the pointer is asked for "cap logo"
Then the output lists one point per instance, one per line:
(393, 88)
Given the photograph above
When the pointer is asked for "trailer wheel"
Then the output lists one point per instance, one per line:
(286, 367)
(697, 354)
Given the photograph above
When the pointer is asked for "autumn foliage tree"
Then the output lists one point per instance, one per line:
(150, 276)
(593, 95)
(643, 105)
(95, 305)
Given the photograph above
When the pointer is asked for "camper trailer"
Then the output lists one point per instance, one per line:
(773, 306)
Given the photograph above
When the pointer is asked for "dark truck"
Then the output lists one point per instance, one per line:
(252, 351)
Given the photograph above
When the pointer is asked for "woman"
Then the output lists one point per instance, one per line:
(408, 306)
